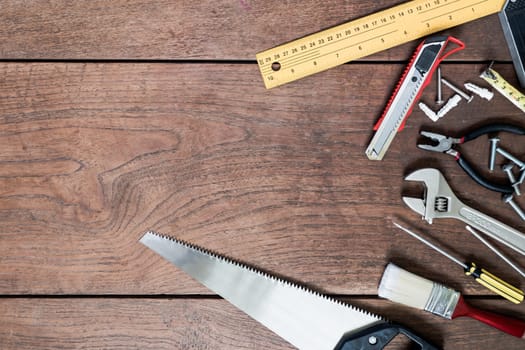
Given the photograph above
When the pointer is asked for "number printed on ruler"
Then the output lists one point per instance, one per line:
(367, 35)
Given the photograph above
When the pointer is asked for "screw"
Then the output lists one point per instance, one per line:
(507, 168)
(372, 340)
(439, 99)
(457, 90)
(510, 157)
(493, 145)
(522, 177)
(508, 198)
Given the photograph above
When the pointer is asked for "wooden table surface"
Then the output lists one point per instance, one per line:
(121, 116)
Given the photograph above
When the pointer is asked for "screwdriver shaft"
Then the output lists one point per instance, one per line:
(431, 245)
(496, 251)
(482, 276)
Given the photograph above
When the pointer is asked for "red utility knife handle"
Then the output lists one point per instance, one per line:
(441, 56)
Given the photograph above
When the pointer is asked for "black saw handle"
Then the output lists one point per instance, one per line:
(377, 337)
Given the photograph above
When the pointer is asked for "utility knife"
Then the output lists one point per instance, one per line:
(304, 318)
(428, 55)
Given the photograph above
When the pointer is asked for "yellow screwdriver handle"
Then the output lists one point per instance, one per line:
(495, 284)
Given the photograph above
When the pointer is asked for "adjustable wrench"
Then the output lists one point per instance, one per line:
(440, 202)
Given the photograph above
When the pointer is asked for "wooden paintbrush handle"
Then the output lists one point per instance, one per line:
(510, 325)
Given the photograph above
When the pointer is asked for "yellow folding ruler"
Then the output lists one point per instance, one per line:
(367, 35)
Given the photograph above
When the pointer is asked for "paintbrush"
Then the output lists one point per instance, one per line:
(406, 288)
(482, 276)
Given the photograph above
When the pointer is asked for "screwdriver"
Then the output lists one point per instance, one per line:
(481, 275)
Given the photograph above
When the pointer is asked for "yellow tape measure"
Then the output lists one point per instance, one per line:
(367, 35)
(504, 87)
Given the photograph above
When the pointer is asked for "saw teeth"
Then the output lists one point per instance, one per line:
(222, 258)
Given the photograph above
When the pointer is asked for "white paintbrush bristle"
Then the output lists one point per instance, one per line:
(404, 287)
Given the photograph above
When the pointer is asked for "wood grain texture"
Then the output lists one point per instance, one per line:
(124, 116)
(86, 323)
(277, 179)
(204, 30)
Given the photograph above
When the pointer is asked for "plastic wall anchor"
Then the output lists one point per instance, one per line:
(451, 103)
(428, 112)
(478, 90)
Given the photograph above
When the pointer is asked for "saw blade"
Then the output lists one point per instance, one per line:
(306, 319)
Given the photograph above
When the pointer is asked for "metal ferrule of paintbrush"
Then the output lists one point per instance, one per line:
(442, 301)
(401, 286)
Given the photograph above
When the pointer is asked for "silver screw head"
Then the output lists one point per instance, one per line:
(372, 340)
(509, 199)
(507, 168)
(522, 177)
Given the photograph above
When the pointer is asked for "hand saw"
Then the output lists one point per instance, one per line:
(306, 319)
(373, 33)
(416, 77)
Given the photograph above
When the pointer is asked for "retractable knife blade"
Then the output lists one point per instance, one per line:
(429, 54)
(304, 318)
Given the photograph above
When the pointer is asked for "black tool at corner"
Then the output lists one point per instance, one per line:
(446, 144)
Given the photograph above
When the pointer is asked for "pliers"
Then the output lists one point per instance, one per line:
(445, 144)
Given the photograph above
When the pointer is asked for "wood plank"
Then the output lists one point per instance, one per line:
(93, 155)
(182, 30)
(87, 323)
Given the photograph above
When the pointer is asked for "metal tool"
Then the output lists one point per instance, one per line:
(507, 168)
(366, 35)
(504, 87)
(509, 199)
(511, 19)
(492, 156)
(511, 157)
(495, 250)
(440, 202)
(482, 276)
(457, 90)
(439, 97)
(416, 77)
(445, 144)
(306, 319)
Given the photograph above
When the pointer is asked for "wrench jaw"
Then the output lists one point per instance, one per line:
(417, 205)
(438, 200)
